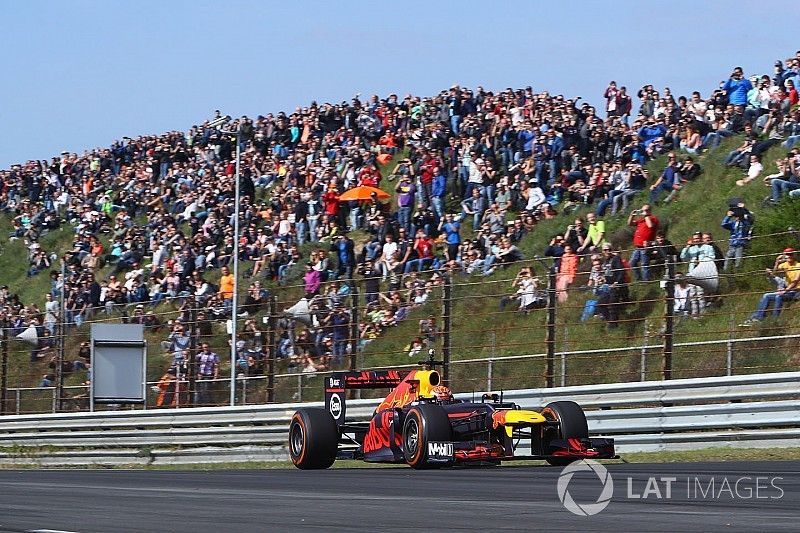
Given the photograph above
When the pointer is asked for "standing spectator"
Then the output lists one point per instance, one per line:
(207, 369)
(646, 225)
(312, 280)
(610, 95)
(567, 269)
(226, 288)
(339, 322)
(344, 247)
(611, 291)
(51, 313)
(405, 201)
(452, 230)
(737, 222)
(737, 87)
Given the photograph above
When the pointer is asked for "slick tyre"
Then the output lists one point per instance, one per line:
(424, 424)
(572, 425)
(313, 439)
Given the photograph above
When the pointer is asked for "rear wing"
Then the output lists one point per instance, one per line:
(339, 382)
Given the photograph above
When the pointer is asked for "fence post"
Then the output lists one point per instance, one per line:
(354, 333)
(669, 312)
(643, 368)
(62, 336)
(272, 324)
(447, 302)
(192, 370)
(729, 349)
(564, 358)
(4, 378)
(489, 372)
(550, 340)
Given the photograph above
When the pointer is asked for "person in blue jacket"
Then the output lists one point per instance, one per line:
(737, 87)
(739, 222)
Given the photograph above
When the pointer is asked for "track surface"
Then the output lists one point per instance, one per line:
(393, 499)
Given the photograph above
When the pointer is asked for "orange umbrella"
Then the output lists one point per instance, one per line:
(363, 192)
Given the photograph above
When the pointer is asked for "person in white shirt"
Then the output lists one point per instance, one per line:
(753, 172)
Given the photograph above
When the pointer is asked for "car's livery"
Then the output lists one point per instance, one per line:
(411, 425)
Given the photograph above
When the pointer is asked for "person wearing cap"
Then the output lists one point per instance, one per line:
(786, 276)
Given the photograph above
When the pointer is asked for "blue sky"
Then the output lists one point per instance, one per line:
(79, 74)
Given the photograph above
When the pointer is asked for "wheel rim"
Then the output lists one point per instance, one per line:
(412, 436)
(296, 440)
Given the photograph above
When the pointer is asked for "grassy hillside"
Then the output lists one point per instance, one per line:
(482, 330)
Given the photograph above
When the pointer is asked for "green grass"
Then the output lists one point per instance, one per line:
(720, 454)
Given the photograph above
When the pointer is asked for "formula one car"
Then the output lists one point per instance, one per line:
(421, 424)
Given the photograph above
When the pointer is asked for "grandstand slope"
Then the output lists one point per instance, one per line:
(480, 330)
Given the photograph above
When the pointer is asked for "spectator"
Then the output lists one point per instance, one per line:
(452, 229)
(611, 292)
(207, 370)
(669, 181)
(405, 201)
(226, 283)
(738, 222)
(786, 276)
(646, 227)
(737, 87)
(595, 235)
(474, 207)
(753, 171)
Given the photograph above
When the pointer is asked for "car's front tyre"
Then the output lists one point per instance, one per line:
(571, 425)
(424, 424)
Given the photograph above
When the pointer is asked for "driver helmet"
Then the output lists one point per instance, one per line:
(442, 393)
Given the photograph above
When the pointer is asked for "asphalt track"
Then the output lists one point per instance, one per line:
(399, 499)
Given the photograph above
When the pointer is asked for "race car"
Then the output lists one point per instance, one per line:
(421, 424)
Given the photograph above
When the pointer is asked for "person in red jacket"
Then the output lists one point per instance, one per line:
(331, 200)
(646, 225)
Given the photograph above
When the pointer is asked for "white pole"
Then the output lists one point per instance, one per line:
(235, 306)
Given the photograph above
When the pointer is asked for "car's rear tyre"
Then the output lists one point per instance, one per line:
(313, 439)
(424, 424)
(572, 425)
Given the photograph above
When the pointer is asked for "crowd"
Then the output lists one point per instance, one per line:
(156, 212)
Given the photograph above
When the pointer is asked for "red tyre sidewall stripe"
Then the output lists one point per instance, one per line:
(420, 432)
(299, 419)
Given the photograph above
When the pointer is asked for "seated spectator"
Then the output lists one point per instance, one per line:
(752, 172)
(783, 182)
(686, 300)
(474, 207)
(669, 181)
(786, 277)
